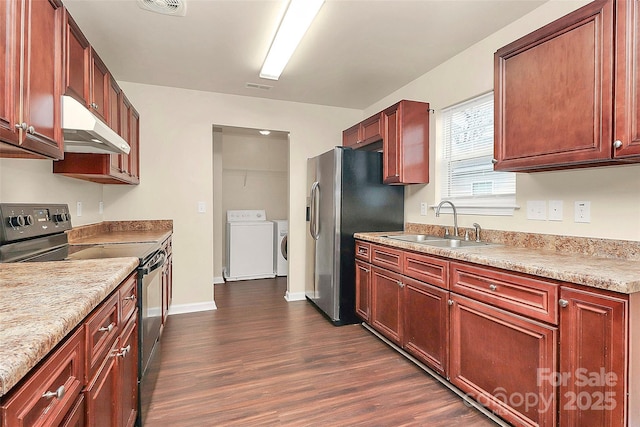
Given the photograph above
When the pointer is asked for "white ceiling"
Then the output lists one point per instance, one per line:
(355, 53)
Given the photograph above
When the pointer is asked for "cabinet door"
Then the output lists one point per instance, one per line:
(134, 142)
(77, 54)
(128, 371)
(592, 359)
(391, 155)
(553, 93)
(426, 324)
(114, 120)
(627, 87)
(363, 290)
(100, 83)
(351, 136)
(371, 129)
(42, 77)
(125, 130)
(499, 358)
(386, 302)
(10, 25)
(102, 394)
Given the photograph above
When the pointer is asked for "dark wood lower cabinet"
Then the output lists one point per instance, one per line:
(500, 358)
(426, 324)
(128, 366)
(363, 290)
(592, 359)
(386, 303)
(76, 417)
(102, 393)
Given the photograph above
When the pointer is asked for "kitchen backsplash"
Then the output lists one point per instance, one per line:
(604, 248)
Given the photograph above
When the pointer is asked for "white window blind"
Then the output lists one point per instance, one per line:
(467, 177)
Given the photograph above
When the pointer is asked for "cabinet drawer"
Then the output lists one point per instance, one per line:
(388, 258)
(102, 331)
(35, 403)
(128, 295)
(518, 293)
(363, 251)
(434, 271)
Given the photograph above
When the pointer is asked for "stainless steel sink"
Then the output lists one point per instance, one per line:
(457, 243)
(440, 242)
(418, 238)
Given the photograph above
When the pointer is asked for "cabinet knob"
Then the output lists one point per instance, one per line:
(400, 284)
(107, 328)
(563, 303)
(22, 126)
(31, 130)
(493, 287)
(617, 144)
(94, 105)
(59, 393)
(130, 298)
(494, 161)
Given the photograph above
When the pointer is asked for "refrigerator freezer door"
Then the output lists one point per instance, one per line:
(327, 275)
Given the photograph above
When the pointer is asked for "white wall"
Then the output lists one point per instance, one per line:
(614, 192)
(177, 171)
(32, 181)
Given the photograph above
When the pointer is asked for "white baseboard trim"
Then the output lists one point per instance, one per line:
(192, 308)
(218, 280)
(294, 296)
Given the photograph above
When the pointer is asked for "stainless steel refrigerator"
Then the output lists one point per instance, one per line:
(346, 196)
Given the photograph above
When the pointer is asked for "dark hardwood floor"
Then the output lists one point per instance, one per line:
(261, 361)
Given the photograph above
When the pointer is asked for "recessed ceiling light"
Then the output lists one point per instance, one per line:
(265, 132)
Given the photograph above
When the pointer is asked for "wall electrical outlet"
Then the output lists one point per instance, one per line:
(555, 210)
(202, 207)
(78, 208)
(582, 212)
(423, 208)
(537, 209)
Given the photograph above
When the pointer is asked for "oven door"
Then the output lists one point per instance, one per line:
(150, 289)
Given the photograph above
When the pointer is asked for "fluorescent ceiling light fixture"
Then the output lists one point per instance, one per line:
(295, 23)
(265, 132)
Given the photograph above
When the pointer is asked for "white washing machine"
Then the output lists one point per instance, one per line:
(249, 245)
(280, 233)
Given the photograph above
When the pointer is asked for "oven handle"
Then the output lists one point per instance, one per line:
(156, 262)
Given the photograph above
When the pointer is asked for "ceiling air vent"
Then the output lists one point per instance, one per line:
(257, 86)
(165, 7)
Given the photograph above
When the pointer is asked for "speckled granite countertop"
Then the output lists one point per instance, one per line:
(614, 274)
(121, 232)
(42, 303)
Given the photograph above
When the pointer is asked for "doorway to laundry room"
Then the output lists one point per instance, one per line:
(251, 203)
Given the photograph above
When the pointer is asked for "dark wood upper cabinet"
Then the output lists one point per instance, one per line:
(100, 83)
(566, 95)
(364, 133)
(31, 81)
(77, 57)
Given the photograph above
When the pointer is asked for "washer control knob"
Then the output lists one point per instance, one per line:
(16, 221)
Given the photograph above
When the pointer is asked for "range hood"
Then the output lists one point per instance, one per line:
(86, 133)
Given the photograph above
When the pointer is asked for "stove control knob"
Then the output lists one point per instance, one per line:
(60, 217)
(28, 219)
(16, 221)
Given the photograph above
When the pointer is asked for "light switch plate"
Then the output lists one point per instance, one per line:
(537, 210)
(202, 207)
(78, 208)
(423, 208)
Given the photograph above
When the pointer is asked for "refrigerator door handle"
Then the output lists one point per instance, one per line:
(313, 223)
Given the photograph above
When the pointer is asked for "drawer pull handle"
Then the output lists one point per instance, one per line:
(130, 298)
(400, 284)
(107, 328)
(59, 393)
(493, 287)
(123, 351)
(563, 303)
(366, 270)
